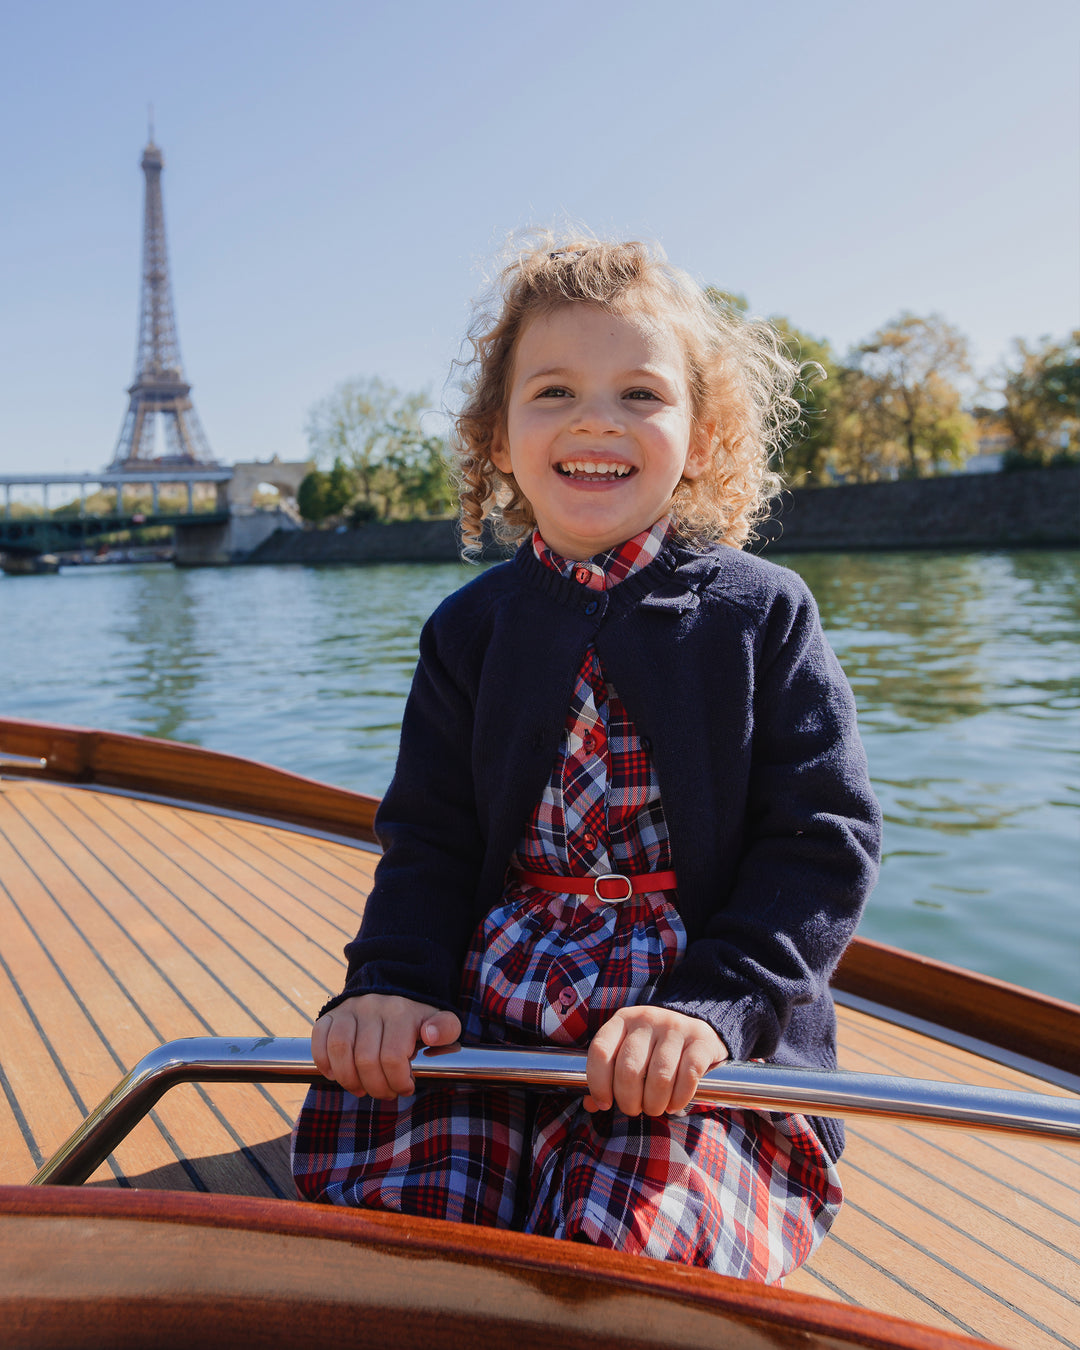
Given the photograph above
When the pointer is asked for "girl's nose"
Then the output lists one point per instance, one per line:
(597, 416)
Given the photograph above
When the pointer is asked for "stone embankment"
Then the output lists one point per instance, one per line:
(1039, 508)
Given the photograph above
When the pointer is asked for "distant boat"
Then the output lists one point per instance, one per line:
(151, 891)
(29, 565)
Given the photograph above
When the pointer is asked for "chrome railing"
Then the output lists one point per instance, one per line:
(759, 1087)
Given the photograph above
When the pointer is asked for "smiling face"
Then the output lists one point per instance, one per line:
(599, 426)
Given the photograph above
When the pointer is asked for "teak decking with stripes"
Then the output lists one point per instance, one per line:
(126, 922)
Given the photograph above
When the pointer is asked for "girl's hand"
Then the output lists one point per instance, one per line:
(366, 1043)
(650, 1060)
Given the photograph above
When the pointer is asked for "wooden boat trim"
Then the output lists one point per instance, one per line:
(1019, 1020)
(223, 1281)
(993, 1011)
(181, 772)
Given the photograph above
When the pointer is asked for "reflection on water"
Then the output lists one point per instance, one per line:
(159, 674)
(964, 667)
(966, 675)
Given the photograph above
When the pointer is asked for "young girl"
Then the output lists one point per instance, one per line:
(630, 809)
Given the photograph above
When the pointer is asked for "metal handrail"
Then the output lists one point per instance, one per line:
(760, 1087)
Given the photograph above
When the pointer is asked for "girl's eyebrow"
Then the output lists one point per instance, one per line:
(639, 372)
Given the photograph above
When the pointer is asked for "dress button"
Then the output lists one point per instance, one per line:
(589, 839)
(588, 742)
(582, 574)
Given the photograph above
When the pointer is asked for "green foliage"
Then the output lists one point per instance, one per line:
(311, 496)
(371, 433)
(807, 458)
(892, 409)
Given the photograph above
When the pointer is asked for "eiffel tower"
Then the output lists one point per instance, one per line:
(160, 387)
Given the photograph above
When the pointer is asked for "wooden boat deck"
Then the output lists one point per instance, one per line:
(126, 922)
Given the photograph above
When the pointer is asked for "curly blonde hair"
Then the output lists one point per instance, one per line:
(740, 374)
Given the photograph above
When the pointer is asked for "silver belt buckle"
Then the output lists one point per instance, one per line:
(612, 876)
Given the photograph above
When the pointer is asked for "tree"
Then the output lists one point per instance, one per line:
(908, 395)
(1041, 409)
(808, 458)
(375, 431)
(311, 496)
(862, 447)
(325, 494)
(423, 473)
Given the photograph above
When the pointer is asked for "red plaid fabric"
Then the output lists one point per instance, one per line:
(740, 1193)
(549, 969)
(600, 811)
(735, 1192)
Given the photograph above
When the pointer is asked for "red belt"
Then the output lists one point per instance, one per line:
(615, 886)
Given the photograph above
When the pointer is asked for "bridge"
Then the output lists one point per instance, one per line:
(232, 527)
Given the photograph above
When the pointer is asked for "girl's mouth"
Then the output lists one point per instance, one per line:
(594, 471)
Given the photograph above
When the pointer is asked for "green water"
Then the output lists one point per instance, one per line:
(964, 667)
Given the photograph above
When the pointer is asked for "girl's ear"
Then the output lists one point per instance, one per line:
(500, 451)
(699, 455)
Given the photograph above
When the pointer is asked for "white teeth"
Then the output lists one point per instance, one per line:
(592, 466)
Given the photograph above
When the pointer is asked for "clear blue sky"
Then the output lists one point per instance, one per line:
(338, 173)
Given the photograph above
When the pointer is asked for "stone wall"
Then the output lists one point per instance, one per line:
(1037, 508)
(216, 545)
(398, 541)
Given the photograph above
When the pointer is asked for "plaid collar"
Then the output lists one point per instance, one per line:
(616, 564)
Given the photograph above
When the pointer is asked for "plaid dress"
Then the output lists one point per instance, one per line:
(741, 1193)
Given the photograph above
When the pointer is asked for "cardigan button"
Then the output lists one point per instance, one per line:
(592, 607)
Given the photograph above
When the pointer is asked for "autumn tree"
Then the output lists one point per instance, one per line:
(907, 396)
(1040, 389)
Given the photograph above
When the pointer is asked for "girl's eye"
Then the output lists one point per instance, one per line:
(643, 394)
(554, 391)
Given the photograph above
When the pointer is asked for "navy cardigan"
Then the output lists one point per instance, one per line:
(720, 660)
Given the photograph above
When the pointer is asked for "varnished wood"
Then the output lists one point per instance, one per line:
(186, 772)
(1020, 1020)
(1017, 1019)
(126, 922)
(182, 1270)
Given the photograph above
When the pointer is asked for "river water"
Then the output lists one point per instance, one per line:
(964, 667)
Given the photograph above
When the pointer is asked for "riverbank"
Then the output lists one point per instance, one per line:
(1039, 508)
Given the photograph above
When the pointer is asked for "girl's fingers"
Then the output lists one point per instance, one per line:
(664, 1067)
(600, 1066)
(399, 1039)
(631, 1066)
(698, 1058)
(367, 1061)
(318, 1046)
(442, 1029)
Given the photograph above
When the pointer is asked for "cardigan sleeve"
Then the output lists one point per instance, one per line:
(419, 915)
(808, 853)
